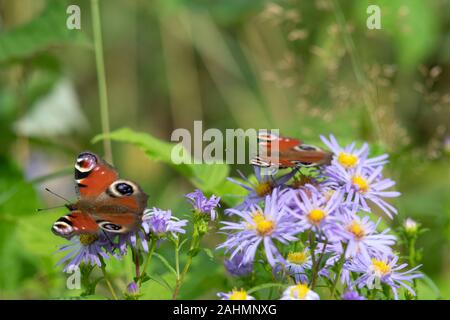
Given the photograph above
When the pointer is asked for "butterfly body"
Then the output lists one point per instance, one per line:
(285, 152)
(106, 202)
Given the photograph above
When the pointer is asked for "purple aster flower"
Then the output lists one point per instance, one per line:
(361, 236)
(86, 249)
(350, 157)
(236, 268)
(383, 269)
(362, 186)
(155, 222)
(261, 227)
(161, 222)
(235, 295)
(352, 295)
(202, 204)
(299, 292)
(264, 185)
(315, 210)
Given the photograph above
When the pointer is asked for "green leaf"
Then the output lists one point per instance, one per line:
(207, 177)
(209, 253)
(165, 262)
(44, 31)
(430, 284)
(265, 286)
(160, 288)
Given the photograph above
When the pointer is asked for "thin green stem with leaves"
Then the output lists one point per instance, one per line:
(192, 252)
(147, 261)
(101, 77)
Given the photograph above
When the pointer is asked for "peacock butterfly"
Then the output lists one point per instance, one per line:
(284, 152)
(105, 202)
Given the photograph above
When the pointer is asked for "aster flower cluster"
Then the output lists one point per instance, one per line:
(89, 249)
(94, 249)
(318, 226)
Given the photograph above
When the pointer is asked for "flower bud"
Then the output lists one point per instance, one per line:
(132, 289)
(410, 226)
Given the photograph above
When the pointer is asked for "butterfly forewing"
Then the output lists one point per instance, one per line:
(105, 201)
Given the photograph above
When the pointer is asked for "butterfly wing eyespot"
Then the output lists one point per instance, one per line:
(86, 161)
(111, 227)
(93, 175)
(307, 147)
(121, 188)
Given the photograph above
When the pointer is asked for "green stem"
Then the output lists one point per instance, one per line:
(316, 267)
(108, 282)
(412, 259)
(338, 271)
(147, 261)
(177, 257)
(100, 64)
(180, 277)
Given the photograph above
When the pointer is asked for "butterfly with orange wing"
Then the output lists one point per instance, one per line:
(284, 152)
(105, 202)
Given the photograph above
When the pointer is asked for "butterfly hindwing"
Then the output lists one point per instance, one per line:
(76, 222)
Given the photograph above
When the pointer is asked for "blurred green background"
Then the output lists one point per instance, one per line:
(306, 67)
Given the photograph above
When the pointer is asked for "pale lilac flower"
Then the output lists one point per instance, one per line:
(261, 227)
(235, 295)
(297, 264)
(86, 249)
(362, 186)
(161, 222)
(314, 210)
(236, 268)
(156, 222)
(202, 204)
(352, 295)
(362, 237)
(383, 269)
(299, 292)
(349, 157)
(132, 239)
(263, 186)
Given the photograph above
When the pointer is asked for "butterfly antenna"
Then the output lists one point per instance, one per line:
(57, 195)
(51, 208)
(107, 237)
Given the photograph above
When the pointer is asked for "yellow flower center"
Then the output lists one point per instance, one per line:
(361, 183)
(356, 228)
(263, 189)
(299, 291)
(238, 295)
(87, 239)
(316, 215)
(380, 266)
(297, 257)
(262, 226)
(347, 160)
